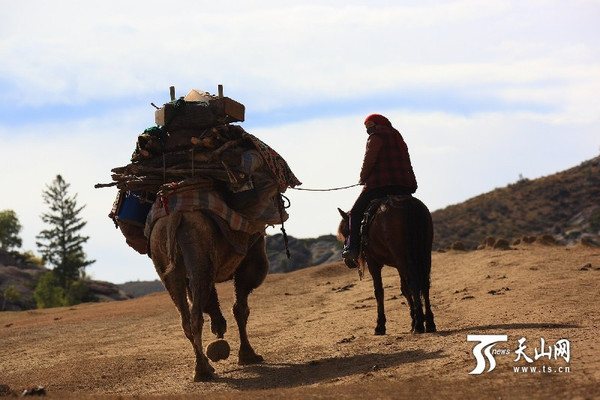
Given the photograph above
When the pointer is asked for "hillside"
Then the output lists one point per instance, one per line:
(141, 288)
(314, 327)
(303, 252)
(23, 276)
(565, 205)
(15, 271)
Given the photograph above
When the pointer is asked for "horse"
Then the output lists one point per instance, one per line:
(191, 254)
(400, 235)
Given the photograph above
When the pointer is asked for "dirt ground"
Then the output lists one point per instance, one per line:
(314, 328)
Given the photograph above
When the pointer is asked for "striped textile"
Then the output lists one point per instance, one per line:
(277, 165)
(194, 200)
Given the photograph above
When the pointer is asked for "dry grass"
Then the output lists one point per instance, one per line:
(564, 204)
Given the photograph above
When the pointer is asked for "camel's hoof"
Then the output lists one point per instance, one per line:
(204, 377)
(218, 327)
(204, 371)
(252, 359)
(218, 350)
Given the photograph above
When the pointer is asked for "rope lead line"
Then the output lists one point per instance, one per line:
(282, 206)
(326, 190)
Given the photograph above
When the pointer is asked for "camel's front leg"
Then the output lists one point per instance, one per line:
(218, 324)
(249, 275)
(241, 311)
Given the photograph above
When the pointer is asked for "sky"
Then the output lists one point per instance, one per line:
(484, 93)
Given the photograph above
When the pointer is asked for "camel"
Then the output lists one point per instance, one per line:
(190, 255)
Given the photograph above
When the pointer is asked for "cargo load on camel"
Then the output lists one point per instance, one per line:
(196, 159)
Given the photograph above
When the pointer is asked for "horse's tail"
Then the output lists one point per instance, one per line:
(418, 235)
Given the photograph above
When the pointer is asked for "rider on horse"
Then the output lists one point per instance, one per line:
(386, 170)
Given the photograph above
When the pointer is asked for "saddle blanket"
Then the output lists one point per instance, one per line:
(276, 164)
(195, 200)
(372, 209)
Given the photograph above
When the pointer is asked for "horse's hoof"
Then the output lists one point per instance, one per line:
(379, 331)
(430, 329)
(218, 350)
(252, 359)
(418, 330)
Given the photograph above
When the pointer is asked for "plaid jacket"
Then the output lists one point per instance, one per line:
(387, 162)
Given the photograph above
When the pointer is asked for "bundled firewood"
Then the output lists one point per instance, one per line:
(192, 137)
(194, 145)
(216, 153)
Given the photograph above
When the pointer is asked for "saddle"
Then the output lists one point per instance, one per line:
(372, 209)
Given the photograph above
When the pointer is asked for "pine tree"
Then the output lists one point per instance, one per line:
(61, 244)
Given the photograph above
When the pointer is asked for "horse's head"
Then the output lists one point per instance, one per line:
(344, 227)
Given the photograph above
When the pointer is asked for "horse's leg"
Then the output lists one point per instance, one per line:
(414, 286)
(429, 324)
(249, 275)
(403, 267)
(411, 280)
(411, 304)
(375, 270)
(199, 270)
(218, 324)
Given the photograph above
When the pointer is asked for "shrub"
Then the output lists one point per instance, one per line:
(48, 292)
(78, 292)
(10, 294)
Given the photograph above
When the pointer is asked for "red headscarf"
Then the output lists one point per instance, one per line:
(379, 120)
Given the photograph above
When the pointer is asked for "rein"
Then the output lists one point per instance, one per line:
(283, 206)
(327, 190)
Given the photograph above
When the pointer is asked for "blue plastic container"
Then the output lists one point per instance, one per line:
(134, 209)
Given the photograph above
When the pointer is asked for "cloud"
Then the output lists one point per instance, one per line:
(282, 55)
(455, 157)
(482, 92)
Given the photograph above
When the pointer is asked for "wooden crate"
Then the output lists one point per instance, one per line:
(198, 115)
